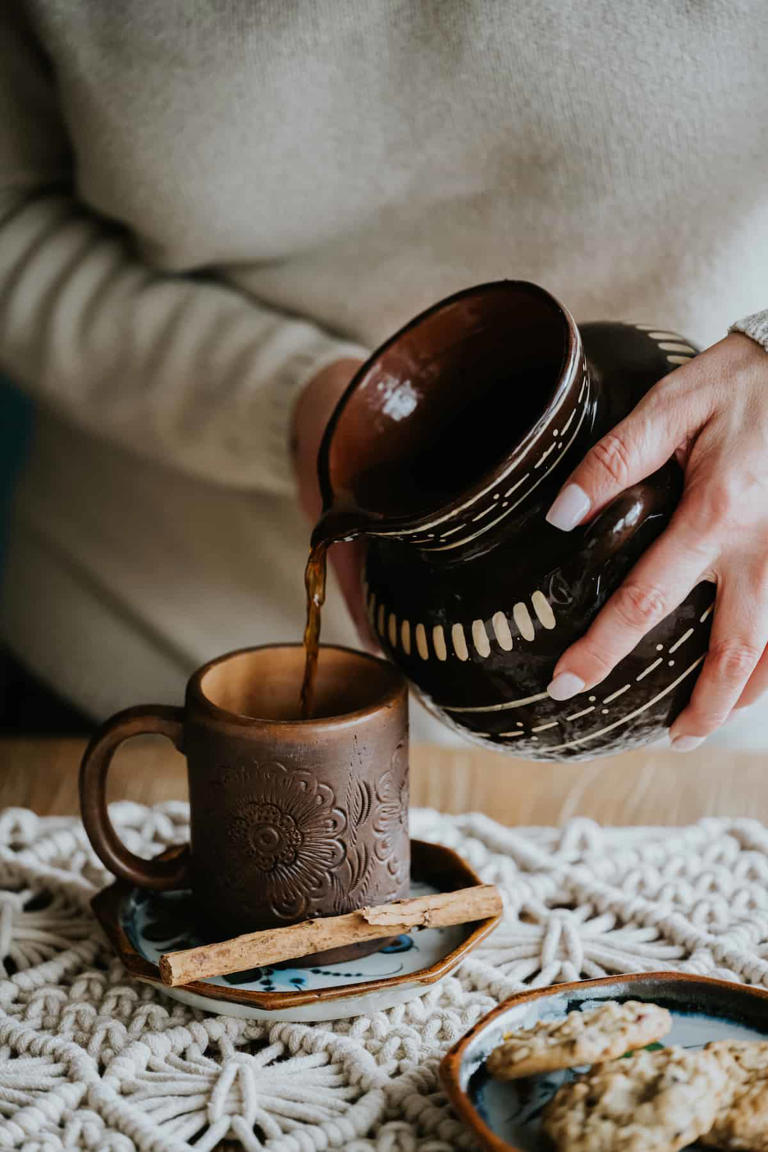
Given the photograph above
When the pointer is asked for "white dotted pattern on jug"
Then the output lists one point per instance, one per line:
(385, 623)
(614, 695)
(525, 630)
(553, 451)
(583, 740)
(443, 533)
(676, 348)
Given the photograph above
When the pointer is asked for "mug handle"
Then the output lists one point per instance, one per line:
(160, 875)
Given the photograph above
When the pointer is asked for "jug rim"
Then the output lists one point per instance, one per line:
(569, 375)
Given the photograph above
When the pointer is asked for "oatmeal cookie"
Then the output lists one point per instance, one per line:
(589, 1037)
(648, 1102)
(743, 1123)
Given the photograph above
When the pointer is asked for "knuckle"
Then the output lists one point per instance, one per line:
(600, 664)
(710, 506)
(592, 660)
(640, 606)
(613, 457)
(733, 660)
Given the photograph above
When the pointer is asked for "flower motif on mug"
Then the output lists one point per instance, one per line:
(390, 820)
(273, 835)
(291, 830)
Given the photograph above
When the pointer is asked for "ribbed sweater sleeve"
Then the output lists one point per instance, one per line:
(182, 368)
(755, 326)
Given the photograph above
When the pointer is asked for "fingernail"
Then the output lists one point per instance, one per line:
(565, 685)
(685, 743)
(569, 509)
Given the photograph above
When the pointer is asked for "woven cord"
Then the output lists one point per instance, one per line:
(90, 1059)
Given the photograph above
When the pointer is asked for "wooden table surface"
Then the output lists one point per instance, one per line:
(656, 787)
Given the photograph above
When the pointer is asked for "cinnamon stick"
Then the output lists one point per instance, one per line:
(272, 946)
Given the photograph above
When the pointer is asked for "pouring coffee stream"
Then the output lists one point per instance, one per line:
(331, 528)
(314, 583)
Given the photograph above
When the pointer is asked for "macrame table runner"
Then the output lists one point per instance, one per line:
(89, 1059)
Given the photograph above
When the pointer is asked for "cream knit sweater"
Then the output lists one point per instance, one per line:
(202, 202)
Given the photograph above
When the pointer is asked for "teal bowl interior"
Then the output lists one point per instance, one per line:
(508, 1114)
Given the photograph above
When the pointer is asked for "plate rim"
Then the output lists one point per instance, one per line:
(427, 856)
(450, 1065)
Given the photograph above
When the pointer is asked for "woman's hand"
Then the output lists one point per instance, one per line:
(712, 415)
(313, 410)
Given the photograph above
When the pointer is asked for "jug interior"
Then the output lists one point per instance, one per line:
(446, 400)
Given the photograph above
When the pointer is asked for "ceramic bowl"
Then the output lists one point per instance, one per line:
(141, 925)
(506, 1116)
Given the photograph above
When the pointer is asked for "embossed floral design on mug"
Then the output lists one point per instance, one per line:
(289, 818)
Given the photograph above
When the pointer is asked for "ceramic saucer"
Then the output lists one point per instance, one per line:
(141, 925)
(505, 1117)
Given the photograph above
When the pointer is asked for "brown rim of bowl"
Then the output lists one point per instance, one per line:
(397, 691)
(450, 1065)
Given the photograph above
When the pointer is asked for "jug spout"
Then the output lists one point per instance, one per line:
(339, 522)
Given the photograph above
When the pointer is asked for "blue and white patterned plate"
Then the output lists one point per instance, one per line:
(506, 1115)
(142, 925)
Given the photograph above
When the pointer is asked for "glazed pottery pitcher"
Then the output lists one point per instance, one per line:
(446, 451)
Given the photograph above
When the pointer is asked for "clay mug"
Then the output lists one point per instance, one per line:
(289, 818)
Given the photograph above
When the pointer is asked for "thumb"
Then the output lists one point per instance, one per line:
(643, 442)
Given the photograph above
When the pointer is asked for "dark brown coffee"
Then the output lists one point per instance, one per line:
(314, 582)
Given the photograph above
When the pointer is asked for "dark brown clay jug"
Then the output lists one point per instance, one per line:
(446, 451)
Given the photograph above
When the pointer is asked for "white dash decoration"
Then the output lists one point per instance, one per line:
(421, 642)
(584, 712)
(459, 642)
(501, 631)
(677, 347)
(393, 629)
(649, 669)
(480, 638)
(523, 620)
(438, 642)
(543, 609)
(685, 636)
